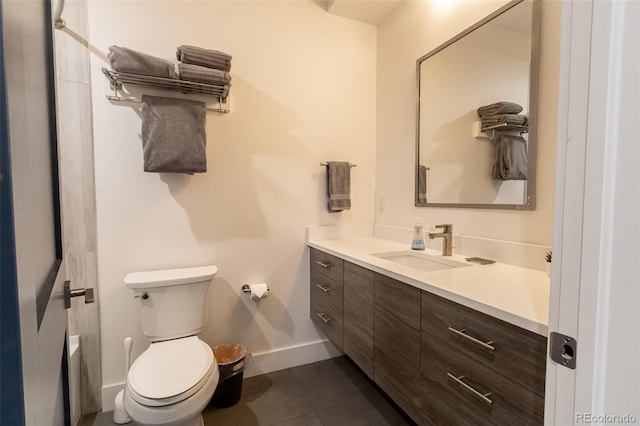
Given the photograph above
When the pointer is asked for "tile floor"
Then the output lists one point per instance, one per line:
(333, 392)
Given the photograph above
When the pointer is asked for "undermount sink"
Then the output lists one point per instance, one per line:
(421, 261)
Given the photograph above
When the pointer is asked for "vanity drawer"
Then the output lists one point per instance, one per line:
(465, 391)
(327, 264)
(323, 287)
(492, 342)
(327, 316)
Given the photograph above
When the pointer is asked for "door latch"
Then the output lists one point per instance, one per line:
(563, 350)
(75, 292)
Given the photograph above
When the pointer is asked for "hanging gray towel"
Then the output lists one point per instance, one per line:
(499, 108)
(128, 60)
(204, 57)
(173, 135)
(339, 185)
(510, 158)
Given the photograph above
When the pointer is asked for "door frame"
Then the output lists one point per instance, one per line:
(587, 248)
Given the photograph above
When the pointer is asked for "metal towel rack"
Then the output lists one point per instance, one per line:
(117, 79)
(350, 165)
(495, 130)
(58, 22)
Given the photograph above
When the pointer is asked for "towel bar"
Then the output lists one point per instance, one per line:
(350, 165)
(117, 79)
(135, 101)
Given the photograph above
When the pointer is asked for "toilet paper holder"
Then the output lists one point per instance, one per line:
(246, 288)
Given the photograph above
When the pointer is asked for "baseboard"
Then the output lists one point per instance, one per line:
(279, 359)
(260, 363)
(109, 393)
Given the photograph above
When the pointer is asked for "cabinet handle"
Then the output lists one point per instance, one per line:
(323, 264)
(482, 396)
(323, 288)
(486, 345)
(322, 317)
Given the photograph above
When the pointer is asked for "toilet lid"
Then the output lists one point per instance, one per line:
(170, 368)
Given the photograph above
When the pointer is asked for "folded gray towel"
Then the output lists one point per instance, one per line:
(127, 60)
(422, 184)
(510, 158)
(205, 75)
(204, 57)
(339, 185)
(173, 135)
(499, 108)
(515, 119)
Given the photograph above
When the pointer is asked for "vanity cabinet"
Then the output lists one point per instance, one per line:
(358, 316)
(479, 370)
(326, 300)
(441, 362)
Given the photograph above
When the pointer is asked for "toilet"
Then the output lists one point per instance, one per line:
(173, 380)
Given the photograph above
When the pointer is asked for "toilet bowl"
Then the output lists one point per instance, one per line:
(172, 381)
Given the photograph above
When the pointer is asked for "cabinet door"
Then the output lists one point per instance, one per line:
(396, 323)
(358, 316)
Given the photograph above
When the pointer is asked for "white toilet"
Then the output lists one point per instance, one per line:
(174, 379)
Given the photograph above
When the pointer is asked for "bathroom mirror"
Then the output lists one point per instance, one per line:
(493, 61)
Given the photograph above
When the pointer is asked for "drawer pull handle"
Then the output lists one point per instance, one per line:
(323, 317)
(323, 264)
(323, 288)
(486, 345)
(482, 396)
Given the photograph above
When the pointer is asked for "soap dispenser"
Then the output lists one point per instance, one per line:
(418, 236)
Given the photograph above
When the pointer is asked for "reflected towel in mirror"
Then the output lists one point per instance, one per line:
(422, 183)
(510, 158)
(503, 107)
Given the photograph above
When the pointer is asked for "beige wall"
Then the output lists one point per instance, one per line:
(415, 28)
(303, 92)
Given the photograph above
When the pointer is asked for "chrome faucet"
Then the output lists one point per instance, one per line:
(447, 235)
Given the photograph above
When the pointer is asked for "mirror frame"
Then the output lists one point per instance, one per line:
(529, 201)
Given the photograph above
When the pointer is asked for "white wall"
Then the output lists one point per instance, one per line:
(413, 29)
(303, 92)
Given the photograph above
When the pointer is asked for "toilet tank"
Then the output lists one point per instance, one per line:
(172, 301)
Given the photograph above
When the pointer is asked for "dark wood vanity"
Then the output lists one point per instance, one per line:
(441, 362)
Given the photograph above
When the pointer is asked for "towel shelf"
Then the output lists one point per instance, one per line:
(506, 126)
(350, 165)
(117, 79)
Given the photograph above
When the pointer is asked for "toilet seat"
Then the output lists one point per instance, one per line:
(170, 371)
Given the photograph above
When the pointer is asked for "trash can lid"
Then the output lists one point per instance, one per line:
(228, 353)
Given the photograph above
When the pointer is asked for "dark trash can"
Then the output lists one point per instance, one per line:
(231, 362)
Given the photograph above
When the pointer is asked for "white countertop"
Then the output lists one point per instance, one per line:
(513, 294)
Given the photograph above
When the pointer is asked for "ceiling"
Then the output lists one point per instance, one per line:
(369, 11)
